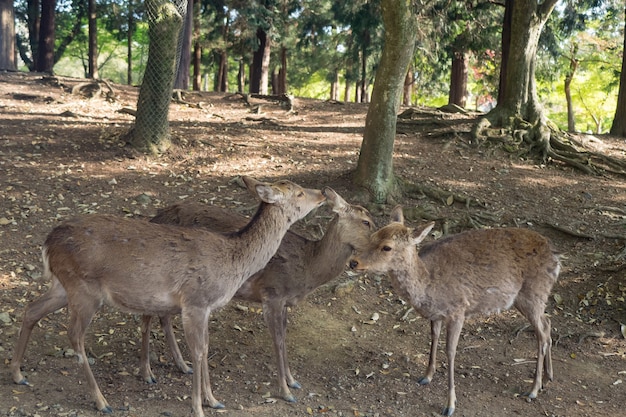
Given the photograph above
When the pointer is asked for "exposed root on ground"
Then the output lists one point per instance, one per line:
(546, 142)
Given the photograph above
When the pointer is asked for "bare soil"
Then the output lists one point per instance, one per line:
(60, 155)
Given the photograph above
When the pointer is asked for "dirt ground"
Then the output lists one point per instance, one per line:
(60, 155)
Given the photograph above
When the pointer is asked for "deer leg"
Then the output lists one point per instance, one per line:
(435, 330)
(52, 300)
(144, 360)
(80, 317)
(534, 312)
(453, 331)
(166, 325)
(195, 326)
(275, 314)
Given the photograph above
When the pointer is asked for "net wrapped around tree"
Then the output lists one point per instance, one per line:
(151, 132)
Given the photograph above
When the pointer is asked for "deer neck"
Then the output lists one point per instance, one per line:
(261, 237)
(330, 254)
(410, 276)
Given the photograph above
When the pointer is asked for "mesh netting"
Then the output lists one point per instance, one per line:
(165, 25)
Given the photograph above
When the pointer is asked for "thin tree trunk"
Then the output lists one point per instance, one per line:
(129, 43)
(93, 40)
(618, 127)
(409, 81)
(197, 49)
(571, 121)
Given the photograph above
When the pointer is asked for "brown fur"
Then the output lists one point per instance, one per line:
(157, 269)
(299, 267)
(475, 272)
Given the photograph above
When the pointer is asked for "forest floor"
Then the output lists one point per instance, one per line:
(61, 155)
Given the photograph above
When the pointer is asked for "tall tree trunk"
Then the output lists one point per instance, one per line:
(151, 132)
(458, 79)
(45, 56)
(363, 86)
(334, 86)
(618, 127)
(93, 40)
(184, 60)
(347, 91)
(374, 170)
(7, 42)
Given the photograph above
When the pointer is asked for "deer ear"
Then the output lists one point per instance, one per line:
(337, 203)
(420, 233)
(268, 194)
(397, 215)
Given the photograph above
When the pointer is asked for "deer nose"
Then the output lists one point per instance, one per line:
(353, 264)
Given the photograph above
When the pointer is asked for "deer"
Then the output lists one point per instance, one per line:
(480, 271)
(148, 268)
(298, 268)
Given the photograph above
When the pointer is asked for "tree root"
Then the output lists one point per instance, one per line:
(544, 141)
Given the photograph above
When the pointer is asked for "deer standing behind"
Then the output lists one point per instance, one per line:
(298, 268)
(156, 269)
(476, 272)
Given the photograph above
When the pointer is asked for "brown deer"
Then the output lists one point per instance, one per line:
(299, 267)
(157, 269)
(475, 272)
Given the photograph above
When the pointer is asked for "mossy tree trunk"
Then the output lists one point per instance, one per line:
(374, 171)
(151, 132)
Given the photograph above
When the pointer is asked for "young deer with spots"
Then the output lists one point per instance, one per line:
(298, 268)
(156, 269)
(475, 272)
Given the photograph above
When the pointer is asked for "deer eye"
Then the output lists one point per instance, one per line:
(301, 194)
(365, 222)
(386, 248)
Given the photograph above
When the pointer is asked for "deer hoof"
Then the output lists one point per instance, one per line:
(23, 381)
(106, 409)
(290, 398)
(218, 406)
(295, 385)
(425, 381)
(447, 411)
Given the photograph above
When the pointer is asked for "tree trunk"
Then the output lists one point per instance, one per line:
(129, 43)
(363, 87)
(184, 60)
(259, 70)
(374, 170)
(241, 77)
(282, 72)
(45, 55)
(7, 43)
(409, 81)
(618, 127)
(151, 132)
(197, 49)
(334, 86)
(93, 40)
(571, 121)
(458, 79)
(34, 22)
(221, 83)
(506, 47)
(520, 103)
